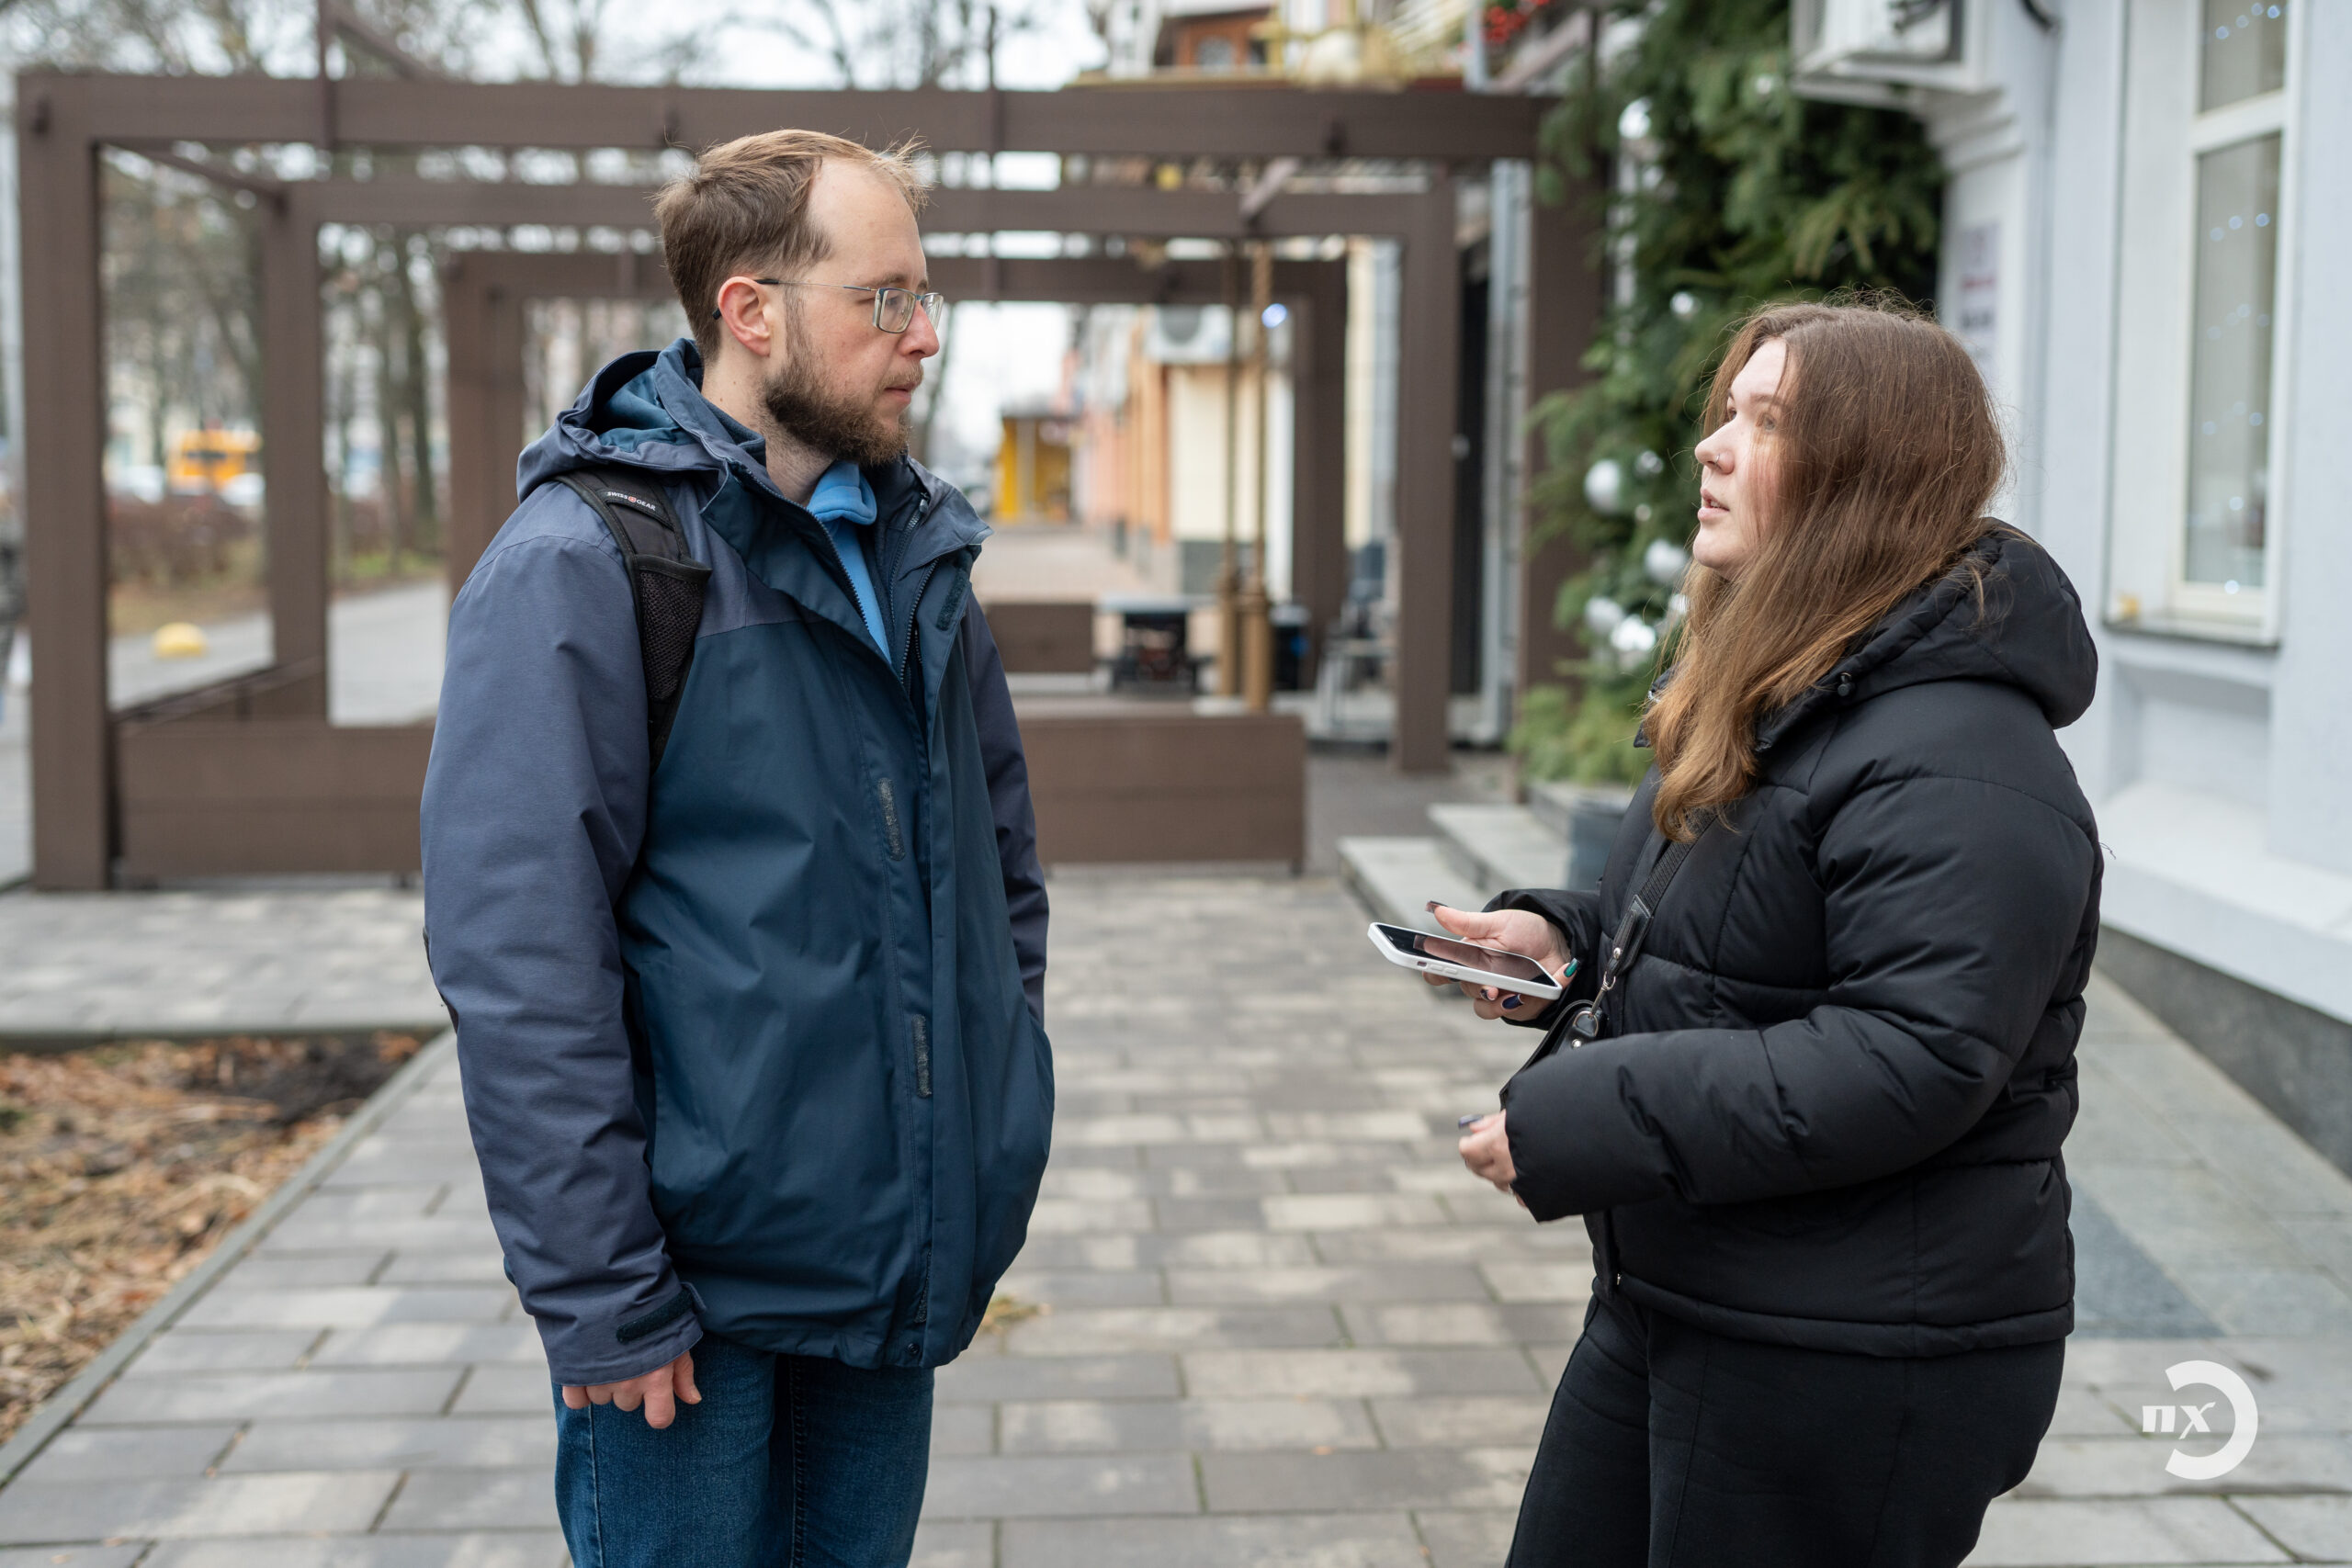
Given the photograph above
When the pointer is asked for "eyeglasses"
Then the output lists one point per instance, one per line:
(894, 309)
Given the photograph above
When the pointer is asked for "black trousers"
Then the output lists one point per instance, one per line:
(1670, 1447)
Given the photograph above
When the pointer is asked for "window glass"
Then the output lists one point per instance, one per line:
(2237, 257)
(2245, 52)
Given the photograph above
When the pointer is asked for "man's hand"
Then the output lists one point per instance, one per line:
(658, 1391)
(1513, 930)
(1486, 1149)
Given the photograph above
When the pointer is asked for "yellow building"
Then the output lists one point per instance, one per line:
(1033, 469)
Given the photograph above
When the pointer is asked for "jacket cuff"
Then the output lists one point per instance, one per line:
(584, 1354)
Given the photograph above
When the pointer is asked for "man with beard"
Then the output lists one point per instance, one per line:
(738, 909)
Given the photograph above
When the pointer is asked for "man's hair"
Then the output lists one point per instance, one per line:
(745, 208)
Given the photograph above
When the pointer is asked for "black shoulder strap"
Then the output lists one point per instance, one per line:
(1591, 1019)
(666, 584)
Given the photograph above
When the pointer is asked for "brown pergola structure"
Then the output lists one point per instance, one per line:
(336, 798)
(484, 293)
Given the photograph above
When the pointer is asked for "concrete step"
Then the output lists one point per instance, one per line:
(1496, 847)
(1551, 802)
(1556, 806)
(1396, 878)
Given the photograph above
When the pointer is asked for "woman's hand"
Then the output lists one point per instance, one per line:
(1486, 1149)
(1513, 930)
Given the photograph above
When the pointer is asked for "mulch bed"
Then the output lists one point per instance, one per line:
(122, 1166)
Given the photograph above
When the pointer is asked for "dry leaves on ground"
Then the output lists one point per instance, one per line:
(121, 1166)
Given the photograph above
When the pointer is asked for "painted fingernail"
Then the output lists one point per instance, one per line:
(1510, 1002)
(1433, 904)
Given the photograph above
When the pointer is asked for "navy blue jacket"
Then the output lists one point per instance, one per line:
(753, 1042)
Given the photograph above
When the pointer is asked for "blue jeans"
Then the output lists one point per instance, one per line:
(789, 1462)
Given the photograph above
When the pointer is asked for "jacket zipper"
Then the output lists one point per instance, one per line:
(841, 567)
(907, 649)
(892, 836)
(897, 844)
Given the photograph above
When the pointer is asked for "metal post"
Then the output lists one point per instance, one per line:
(1429, 330)
(66, 503)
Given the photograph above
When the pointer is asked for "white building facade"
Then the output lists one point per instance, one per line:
(2147, 228)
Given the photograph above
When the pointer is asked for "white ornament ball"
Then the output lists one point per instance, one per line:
(1605, 487)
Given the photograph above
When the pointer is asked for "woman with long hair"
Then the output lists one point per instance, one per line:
(1809, 1084)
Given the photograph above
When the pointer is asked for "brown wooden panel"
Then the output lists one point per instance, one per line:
(1043, 637)
(1118, 786)
(282, 691)
(212, 799)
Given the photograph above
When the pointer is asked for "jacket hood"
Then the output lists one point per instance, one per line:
(2030, 633)
(646, 410)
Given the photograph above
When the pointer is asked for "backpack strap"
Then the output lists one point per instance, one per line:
(665, 583)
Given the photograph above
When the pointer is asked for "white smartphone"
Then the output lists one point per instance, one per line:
(1458, 960)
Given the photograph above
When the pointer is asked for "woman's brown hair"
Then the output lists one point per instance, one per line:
(1885, 456)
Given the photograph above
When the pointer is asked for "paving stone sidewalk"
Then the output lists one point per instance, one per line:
(323, 957)
(1285, 1327)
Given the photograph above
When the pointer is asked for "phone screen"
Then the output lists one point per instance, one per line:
(1493, 960)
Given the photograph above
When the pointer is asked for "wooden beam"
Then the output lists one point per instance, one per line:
(1318, 556)
(1144, 213)
(65, 503)
(483, 291)
(474, 493)
(1140, 211)
(1564, 292)
(293, 448)
(484, 204)
(1428, 368)
(1156, 121)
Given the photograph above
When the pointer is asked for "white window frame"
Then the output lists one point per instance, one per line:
(2163, 136)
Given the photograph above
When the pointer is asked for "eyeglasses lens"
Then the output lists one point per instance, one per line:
(894, 309)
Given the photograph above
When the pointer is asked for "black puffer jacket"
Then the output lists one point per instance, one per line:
(1830, 1110)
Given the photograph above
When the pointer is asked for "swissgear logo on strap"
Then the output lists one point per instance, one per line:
(637, 500)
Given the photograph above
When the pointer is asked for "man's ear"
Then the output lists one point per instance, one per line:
(744, 316)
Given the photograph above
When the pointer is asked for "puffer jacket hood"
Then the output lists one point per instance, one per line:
(1830, 1109)
(2024, 629)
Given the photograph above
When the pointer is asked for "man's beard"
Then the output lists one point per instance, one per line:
(841, 426)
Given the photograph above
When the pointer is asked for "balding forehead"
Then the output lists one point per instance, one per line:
(846, 191)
